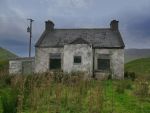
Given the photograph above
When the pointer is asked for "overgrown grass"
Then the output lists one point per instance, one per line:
(46, 93)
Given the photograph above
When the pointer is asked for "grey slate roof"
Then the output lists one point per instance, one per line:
(79, 41)
(99, 38)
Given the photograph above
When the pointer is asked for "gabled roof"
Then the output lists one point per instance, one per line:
(79, 41)
(99, 38)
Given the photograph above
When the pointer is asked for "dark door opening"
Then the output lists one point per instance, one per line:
(55, 61)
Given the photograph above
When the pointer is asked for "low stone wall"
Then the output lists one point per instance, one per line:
(21, 66)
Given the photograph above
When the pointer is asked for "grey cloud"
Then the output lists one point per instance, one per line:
(133, 16)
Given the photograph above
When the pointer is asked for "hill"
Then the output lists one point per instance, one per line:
(4, 56)
(132, 54)
(139, 66)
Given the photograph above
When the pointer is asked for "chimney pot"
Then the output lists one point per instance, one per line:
(114, 25)
(49, 25)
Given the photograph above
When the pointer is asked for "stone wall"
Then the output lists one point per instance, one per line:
(15, 67)
(21, 66)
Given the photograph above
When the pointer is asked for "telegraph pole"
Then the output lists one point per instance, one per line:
(29, 29)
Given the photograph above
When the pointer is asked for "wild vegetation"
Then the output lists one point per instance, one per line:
(69, 93)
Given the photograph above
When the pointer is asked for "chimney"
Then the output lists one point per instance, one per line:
(49, 25)
(114, 25)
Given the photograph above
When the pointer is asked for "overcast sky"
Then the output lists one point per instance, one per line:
(133, 16)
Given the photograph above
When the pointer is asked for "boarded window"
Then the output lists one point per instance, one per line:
(103, 64)
(77, 59)
(55, 61)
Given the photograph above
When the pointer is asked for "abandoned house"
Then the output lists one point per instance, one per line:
(97, 51)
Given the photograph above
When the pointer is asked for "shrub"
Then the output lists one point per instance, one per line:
(130, 75)
(109, 77)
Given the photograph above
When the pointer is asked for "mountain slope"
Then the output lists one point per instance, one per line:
(139, 66)
(5, 55)
(132, 54)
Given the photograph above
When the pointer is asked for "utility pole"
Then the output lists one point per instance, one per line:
(29, 29)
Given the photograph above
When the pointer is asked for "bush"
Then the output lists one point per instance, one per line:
(130, 75)
(9, 102)
(109, 77)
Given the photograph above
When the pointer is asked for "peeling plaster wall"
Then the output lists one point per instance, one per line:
(21, 66)
(116, 62)
(83, 50)
(42, 56)
(15, 67)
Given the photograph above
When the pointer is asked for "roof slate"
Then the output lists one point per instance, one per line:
(99, 38)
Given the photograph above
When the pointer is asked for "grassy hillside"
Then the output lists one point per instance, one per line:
(4, 56)
(139, 66)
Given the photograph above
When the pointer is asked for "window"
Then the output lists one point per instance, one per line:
(103, 64)
(55, 61)
(77, 59)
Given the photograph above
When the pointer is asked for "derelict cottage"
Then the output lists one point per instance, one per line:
(97, 51)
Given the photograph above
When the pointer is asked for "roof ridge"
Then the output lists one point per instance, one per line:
(82, 29)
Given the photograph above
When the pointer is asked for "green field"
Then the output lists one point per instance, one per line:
(58, 93)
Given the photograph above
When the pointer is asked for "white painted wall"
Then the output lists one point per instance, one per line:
(15, 67)
(42, 56)
(116, 61)
(83, 50)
